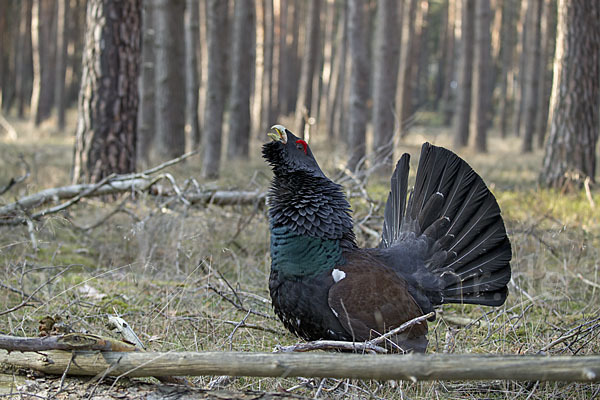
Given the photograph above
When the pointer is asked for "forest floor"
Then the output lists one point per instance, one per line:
(186, 277)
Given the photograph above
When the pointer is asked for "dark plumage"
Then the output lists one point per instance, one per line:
(445, 243)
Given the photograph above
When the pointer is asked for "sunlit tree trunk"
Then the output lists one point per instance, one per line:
(521, 66)
(44, 46)
(23, 63)
(406, 66)
(575, 103)
(267, 118)
(548, 44)
(506, 60)
(108, 99)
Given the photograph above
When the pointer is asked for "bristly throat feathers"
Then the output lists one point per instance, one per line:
(310, 225)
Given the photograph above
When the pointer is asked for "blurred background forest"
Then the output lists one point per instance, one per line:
(152, 79)
(94, 88)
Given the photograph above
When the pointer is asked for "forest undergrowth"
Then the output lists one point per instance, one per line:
(195, 278)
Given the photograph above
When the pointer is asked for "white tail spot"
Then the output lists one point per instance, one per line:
(338, 275)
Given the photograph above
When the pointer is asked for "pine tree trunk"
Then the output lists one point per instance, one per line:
(44, 44)
(482, 106)
(23, 63)
(404, 93)
(449, 68)
(359, 78)
(547, 56)
(467, 12)
(571, 146)
(169, 55)
(309, 61)
(521, 66)
(385, 78)
(147, 114)
(532, 75)
(295, 63)
(192, 86)
(74, 65)
(421, 55)
(506, 54)
(335, 106)
(108, 100)
(216, 17)
(283, 58)
(266, 110)
(241, 85)
(61, 57)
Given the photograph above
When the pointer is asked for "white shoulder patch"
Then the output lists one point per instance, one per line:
(338, 275)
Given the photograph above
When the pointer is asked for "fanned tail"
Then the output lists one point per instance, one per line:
(468, 252)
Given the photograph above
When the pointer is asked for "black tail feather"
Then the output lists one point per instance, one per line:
(469, 251)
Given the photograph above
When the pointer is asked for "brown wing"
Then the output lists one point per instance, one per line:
(369, 300)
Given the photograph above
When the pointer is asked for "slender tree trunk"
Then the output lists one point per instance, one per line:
(192, 85)
(506, 54)
(23, 63)
(532, 75)
(359, 81)
(75, 49)
(385, 78)
(336, 108)
(44, 45)
(169, 55)
(449, 74)
(242, 61)
(147, 114)
(309, 61)
(547, 56)
(61, 58)
(521, 65)
(467, 11)
(295, 61)
(406, 65)
(266, 110)
(216, 17)
(108, 100)
(421, 51)
(575, 103)
(482, 106)
(283, 62)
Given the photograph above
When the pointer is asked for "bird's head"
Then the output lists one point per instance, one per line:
(288, 154)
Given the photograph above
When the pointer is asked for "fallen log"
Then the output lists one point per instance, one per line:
(412, 367)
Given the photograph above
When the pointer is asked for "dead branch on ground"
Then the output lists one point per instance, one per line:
(413, 367)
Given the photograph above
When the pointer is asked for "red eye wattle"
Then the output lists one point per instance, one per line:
(302, 145)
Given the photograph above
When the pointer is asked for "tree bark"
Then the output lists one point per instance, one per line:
(44, 44)
(266, 110)
(216, 17)
(335, 106)
(283, 58)
(532, 75)
(23, 66)
(406, 66)
(575, 102)
(108, 99)
(241, 85)
(309, 61)
(359, 81)
(449, 74)
(482, 107)
(507, 49)
(521, 66)
(385, 79)
(61, 57)
(169, 55)
(192, 84)
(467, 11)
(147, 114)
(548, 44)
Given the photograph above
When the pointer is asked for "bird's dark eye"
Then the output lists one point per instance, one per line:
(301, 145)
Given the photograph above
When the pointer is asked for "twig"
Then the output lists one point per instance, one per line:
(359, 347)
(588, 192)
(402, 328)
(10, 130)
(14, 181)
